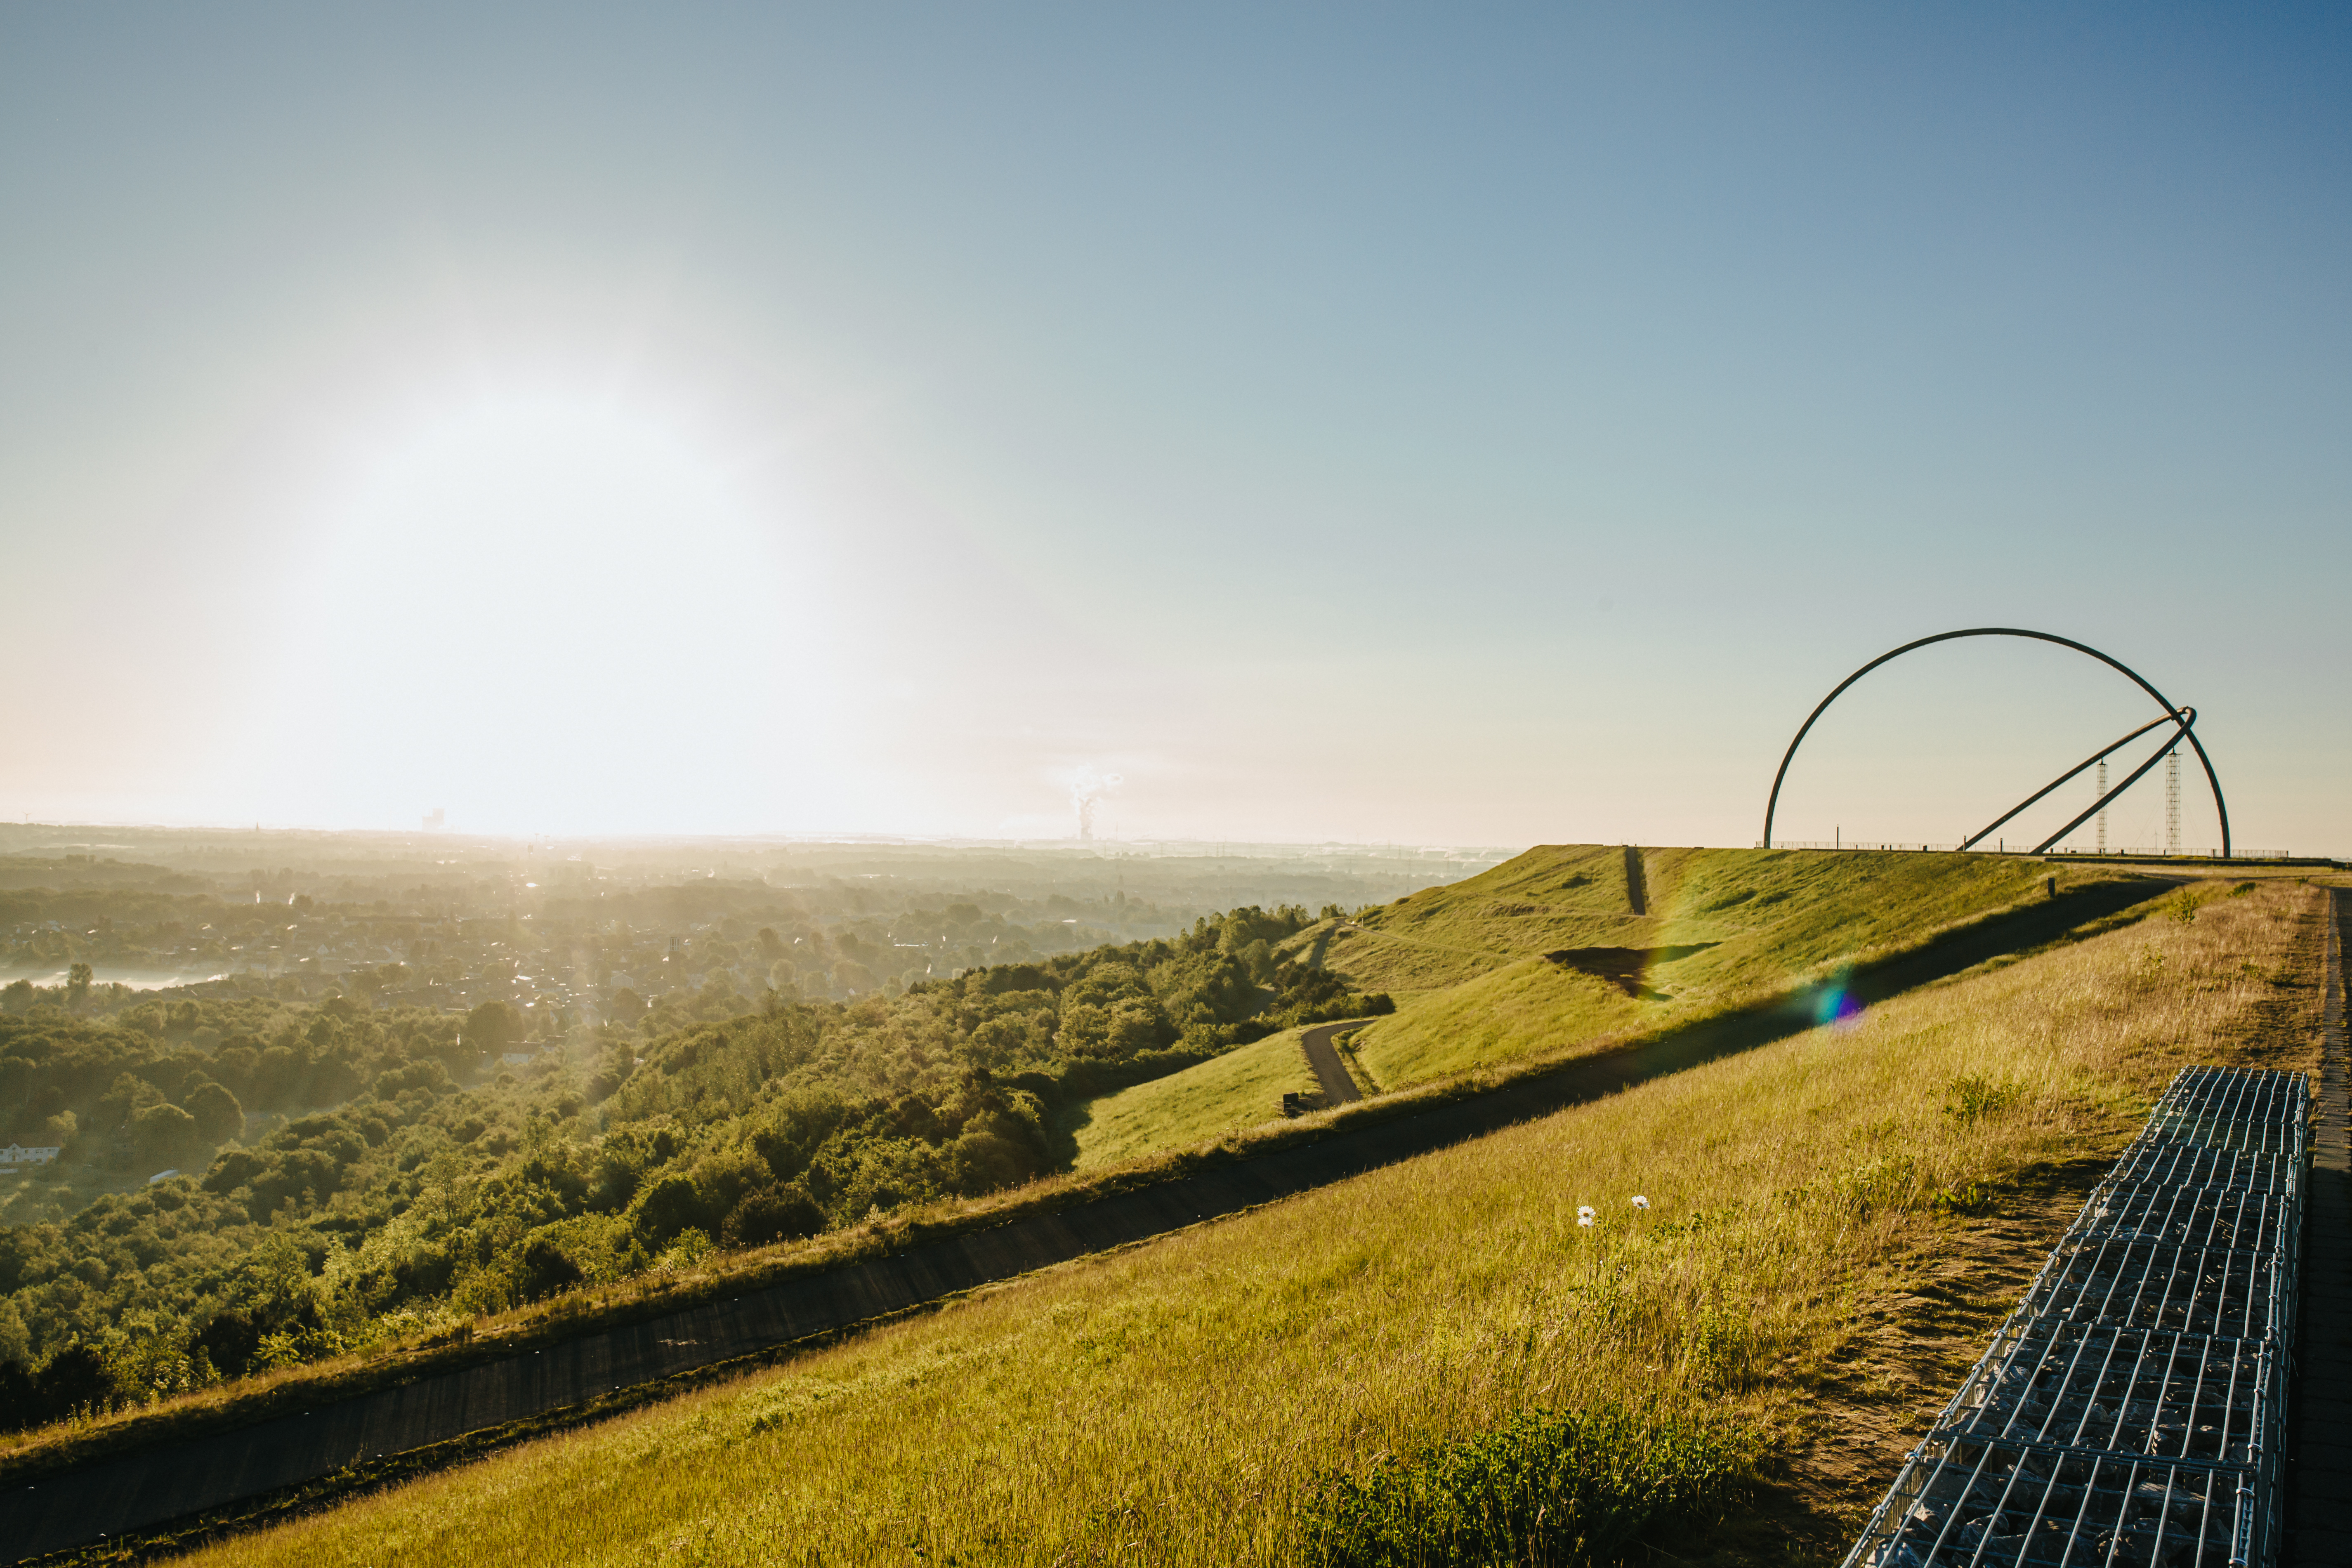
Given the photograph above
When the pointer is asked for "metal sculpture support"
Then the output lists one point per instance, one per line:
(2184, 717)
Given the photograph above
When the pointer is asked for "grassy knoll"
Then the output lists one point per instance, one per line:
(1188, 1401)
(1199, 1105)
(1729, 926)
(1527, 1006)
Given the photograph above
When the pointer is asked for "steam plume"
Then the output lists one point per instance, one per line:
(1085, 790)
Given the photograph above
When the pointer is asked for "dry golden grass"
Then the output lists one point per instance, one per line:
(1174, 1403)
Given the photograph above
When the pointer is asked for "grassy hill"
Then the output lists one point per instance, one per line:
(1834, 1221)
(1544, 956)
(1544, 952)
(1199, 1105)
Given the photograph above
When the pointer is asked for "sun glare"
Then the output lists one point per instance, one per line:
(550, 615)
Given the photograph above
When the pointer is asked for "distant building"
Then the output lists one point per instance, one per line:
(161, 1176)
(18, 1154)
(515, 1058)
(436, 819)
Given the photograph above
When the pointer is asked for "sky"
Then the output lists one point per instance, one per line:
(1440, 425)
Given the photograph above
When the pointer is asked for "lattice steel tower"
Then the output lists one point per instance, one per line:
(2103, 810)
(2172, 801)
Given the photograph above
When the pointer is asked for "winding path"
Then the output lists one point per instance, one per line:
(1338, 1087)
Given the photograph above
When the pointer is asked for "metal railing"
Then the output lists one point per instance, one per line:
(1914, 846)
(2130, 1409)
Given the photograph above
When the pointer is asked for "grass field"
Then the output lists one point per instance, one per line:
(1502, 1014)
(1465, 960)
(1187, 1400)
(1240, 1089)
(1728, 927)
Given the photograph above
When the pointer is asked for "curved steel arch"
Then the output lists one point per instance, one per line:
(2219, 807)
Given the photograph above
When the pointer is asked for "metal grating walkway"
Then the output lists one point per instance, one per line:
(2131, 1410)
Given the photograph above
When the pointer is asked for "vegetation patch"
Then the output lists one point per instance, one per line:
(1546, 1489)
(400, 1219)
(1242, 1089)
(1724, 928)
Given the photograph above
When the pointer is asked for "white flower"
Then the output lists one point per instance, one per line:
(1584, 1219)
(1584, 1214)
(1640, 1201)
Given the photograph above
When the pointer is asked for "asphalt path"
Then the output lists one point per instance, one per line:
(138, 1492)
(1338, 1087)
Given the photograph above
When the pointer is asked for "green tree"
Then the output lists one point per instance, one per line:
(218, 1114)
(492, 1027)
(77, 980)
(164, 1134)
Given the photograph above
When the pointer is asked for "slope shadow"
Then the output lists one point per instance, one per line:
(1623, 967)
(1729, 1033)
(210, 1482)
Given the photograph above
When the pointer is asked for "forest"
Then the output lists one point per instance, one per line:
(404, 1168)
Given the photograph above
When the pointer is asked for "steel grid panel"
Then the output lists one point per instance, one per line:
(2238, 1094)
(2218, 1132)
(2184, 1131)
(2167, 1215)
(2235, 1107)
(2129, 1409)
(1998, 1505)
(2168, 1162)
(2123, 1391)
(2130, 1284)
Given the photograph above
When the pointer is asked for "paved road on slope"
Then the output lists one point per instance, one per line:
(151, 1488)
(1338, 1086)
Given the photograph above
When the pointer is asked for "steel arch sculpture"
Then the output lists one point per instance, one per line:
(2184, 717)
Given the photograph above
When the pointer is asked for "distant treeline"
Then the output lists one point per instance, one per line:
(418, 1200)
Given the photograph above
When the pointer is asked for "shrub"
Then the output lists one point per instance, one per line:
(1549, 1487)
(670, 1205)
(1974, 1097)
(546, 1270)
(772, 1215)
(229, 1342)
(75, 1378)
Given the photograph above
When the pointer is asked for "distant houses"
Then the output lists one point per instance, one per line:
(18, 1154)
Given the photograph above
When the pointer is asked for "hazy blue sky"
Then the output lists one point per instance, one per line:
(1453, 423)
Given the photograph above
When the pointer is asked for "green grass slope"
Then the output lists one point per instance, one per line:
(1466, 965)
(1803, 1284)
(1199, 1105)
(1727, 926)
(1508, 1012)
